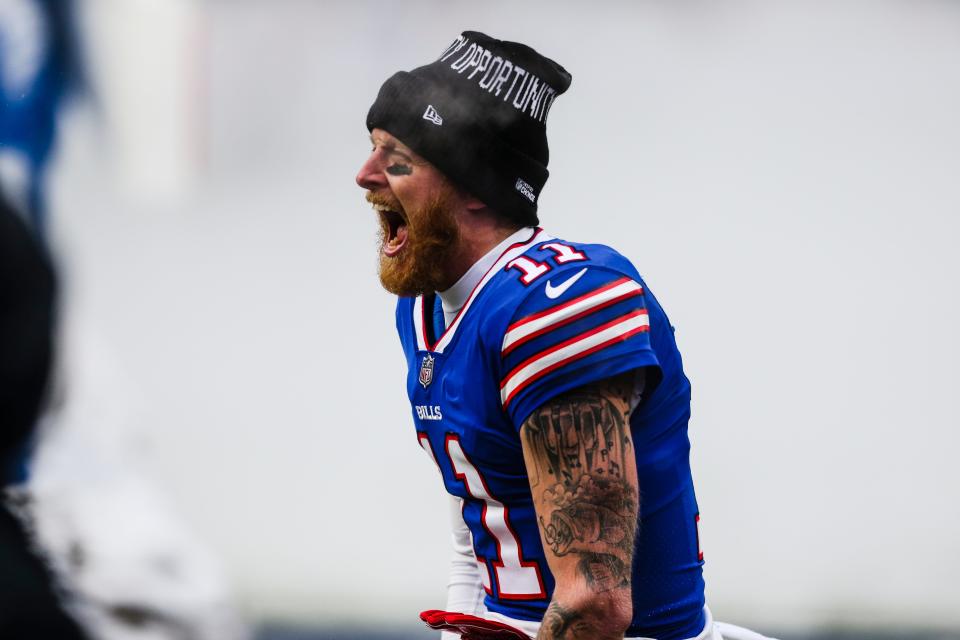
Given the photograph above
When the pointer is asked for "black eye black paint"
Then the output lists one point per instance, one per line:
(399, 169)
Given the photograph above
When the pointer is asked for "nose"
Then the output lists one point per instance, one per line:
(371, 176)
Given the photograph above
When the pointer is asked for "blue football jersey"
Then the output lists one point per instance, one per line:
(547, 317)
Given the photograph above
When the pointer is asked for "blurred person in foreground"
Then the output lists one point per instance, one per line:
(544, 378)
(30, 606)
(34, 76)
(134, 571)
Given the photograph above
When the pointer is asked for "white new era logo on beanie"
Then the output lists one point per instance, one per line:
(432, 115)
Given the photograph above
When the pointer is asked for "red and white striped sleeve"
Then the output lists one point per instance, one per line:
(598, 329)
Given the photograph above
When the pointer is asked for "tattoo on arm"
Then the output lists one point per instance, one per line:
(562, 623)
(580, 462)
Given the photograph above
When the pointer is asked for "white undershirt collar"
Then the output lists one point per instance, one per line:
(453, 299)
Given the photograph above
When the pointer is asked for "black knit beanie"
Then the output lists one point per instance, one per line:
(479, 114)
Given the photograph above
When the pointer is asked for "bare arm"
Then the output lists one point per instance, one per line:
(579, 457)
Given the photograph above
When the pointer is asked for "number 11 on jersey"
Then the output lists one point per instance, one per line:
(515, 578)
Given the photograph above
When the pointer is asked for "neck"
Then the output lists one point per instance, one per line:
(453, 298)
(479, 233)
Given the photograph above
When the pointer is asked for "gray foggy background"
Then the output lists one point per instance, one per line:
(784, 174)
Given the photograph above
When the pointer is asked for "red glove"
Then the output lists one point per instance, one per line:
(471, 627)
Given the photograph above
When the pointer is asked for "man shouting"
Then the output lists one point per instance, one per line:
(544, 379)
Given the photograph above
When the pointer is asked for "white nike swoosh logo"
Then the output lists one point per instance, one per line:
(557, 291)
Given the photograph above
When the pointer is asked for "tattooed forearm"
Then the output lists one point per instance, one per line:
(580, 446)
(604, 571)
(580, 460)
(563, 622)
(580, 433)
(559, 623)
(596, 520)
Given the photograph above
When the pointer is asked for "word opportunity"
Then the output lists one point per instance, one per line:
(533, 96)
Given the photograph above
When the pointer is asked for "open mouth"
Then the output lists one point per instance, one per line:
(394, 229)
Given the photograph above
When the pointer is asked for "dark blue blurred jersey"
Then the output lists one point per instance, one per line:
(550, 316)
(38, 67)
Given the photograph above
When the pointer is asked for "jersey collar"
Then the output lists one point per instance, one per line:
(461, 295)
(456, 296)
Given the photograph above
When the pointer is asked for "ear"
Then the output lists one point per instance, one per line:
(472, 203)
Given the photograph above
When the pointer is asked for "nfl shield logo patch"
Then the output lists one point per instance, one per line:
(426, 371)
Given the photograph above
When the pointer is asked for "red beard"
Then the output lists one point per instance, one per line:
(432, 237)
